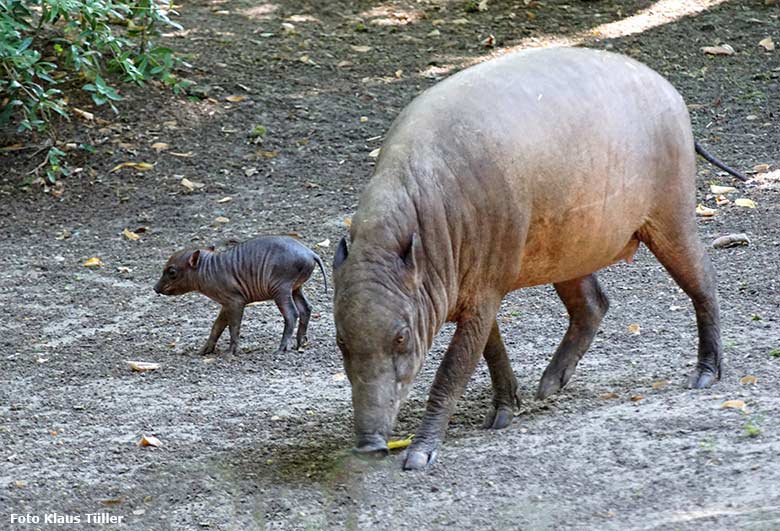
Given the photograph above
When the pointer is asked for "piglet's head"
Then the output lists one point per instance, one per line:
(180, 273)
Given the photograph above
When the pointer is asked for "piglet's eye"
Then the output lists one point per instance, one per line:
(171, 272)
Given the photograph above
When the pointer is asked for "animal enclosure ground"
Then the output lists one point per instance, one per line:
(260, 440)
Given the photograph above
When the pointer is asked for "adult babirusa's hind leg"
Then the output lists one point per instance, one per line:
(504, 382)
(586, 304)
(676, 245)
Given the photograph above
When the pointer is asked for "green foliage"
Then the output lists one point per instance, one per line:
(775, 353)
(471, 6)
(751, 430)
(45, 44)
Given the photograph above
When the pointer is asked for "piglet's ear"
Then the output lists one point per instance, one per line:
(341, 254)
(211, 248)
(194, 259)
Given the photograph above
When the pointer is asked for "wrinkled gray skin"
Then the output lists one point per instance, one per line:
(265, 268)
(539, 167)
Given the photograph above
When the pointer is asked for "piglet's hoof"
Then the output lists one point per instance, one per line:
(703, 377)
(419, 459)
(205, 351)
(231, 351)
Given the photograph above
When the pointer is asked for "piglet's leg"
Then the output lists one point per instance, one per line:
(234, 315)
(287, 307)
(216, 332)
(304, 311)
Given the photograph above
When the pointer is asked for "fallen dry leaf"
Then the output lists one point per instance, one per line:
(221, 219)
(744, 202)
(634, 328)
(767, 44)
(348, 222)
(84, 114)
(748, 380)
(149, 440)
(608, 396)
(723, 49)
(181, 155)
(141, 366)
(434, 33)
(637, 398)
(760, 168)
(704, 211)
(324, 243)
(733, 404)
(375, 153)
(236, 98)
(112, 501)
(191, 185)
(722, 200)
(361, 48)
(660, 384)
(716, 189)
(489, 41)
(140, 166)
(267, 154)
(93, 262)
(130, 235)
(339, 377)
(160, 146)
(225, 200)
(731, 240)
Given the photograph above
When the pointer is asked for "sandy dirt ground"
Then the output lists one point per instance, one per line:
(262, 440)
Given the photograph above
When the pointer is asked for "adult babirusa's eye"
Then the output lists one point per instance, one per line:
(401, 341)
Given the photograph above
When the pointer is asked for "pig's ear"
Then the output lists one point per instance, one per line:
(211, 248)
(413, 257)
(194, 259)
(341, 254)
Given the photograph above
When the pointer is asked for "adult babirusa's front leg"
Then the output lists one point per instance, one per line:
(216, 331)
(456, 368)
(504, 382)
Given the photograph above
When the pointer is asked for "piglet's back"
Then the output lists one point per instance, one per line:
(264, 266)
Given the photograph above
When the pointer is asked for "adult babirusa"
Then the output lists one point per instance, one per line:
(539, 167)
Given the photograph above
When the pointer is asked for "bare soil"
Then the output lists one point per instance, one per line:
(261, 441)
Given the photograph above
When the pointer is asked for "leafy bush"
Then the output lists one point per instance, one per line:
(45, 44)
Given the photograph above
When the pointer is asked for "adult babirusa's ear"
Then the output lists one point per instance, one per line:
(341, 254)
(194, 259)
(412, 258)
